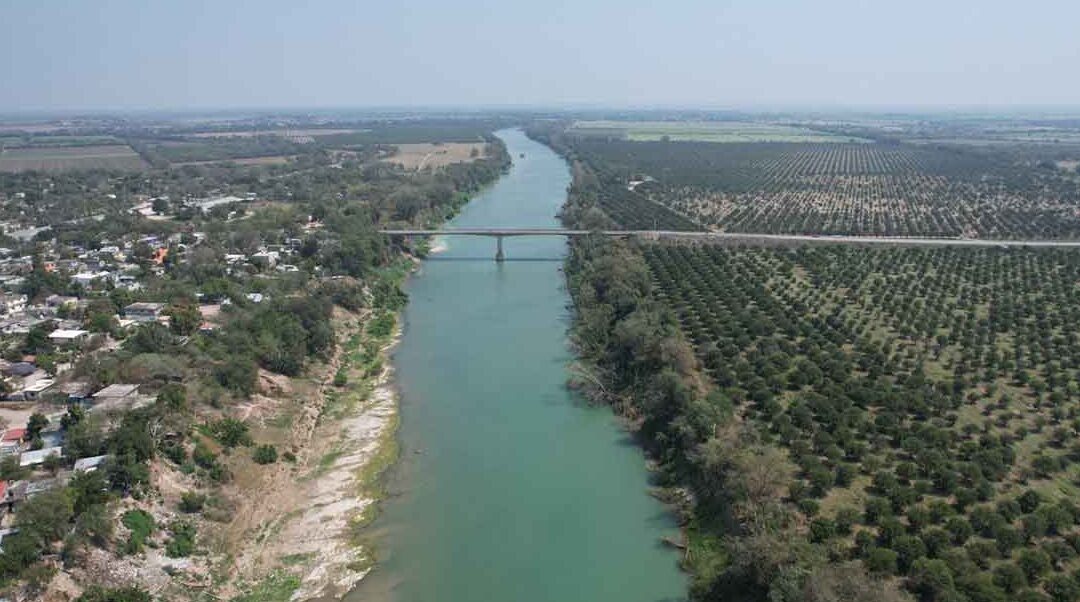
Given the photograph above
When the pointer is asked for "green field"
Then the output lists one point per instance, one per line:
(704, 131)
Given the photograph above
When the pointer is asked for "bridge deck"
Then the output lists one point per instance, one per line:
(741, 237)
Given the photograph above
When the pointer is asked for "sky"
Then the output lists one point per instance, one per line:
(195, 54)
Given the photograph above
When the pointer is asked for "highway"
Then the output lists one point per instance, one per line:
(746, 238)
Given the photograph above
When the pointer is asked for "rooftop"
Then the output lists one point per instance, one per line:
(67, 335)
(37, 456)
(117, 390)
(88, 464)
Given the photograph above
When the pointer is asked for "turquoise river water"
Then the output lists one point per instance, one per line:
(510, 488)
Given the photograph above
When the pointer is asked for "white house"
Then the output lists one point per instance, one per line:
(75, 336)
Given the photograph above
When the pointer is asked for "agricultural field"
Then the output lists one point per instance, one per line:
(925, 404)
(263, 161)
(29, 140)
(205, 150)
(845, 189)
(232, 143)
(57, 158)
(298, 133)
(426, 155)
(702, 131)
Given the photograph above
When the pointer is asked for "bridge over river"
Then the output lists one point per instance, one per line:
(732, 237)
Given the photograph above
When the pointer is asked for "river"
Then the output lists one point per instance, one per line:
(510, 488)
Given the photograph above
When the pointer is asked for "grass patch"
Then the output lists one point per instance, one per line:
(279, 586)
(141, 525)
(295, 559)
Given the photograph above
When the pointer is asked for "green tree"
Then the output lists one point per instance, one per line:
(184, 318)
(172, 396)
(1034, 563)
(88, 489)
(35, 425)
(48, 518)
(1062, 588)
(1010, 577)
(881, 561)
(930, 579)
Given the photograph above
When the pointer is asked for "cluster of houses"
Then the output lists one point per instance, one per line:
(112, 264)
(108, 267)
(41, 384)
(36, 453)
(24, 380)
(151, 207)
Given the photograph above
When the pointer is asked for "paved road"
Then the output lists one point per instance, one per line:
(738, 237)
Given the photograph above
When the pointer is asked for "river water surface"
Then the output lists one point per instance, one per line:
(509, 487)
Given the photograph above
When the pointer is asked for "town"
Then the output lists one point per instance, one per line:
(176, 343)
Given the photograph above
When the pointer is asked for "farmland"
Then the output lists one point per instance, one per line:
(270, 160)
(307, 133)
(110, 156)
(889, 419)
(231, 142)
(434, 155)
(702, 131)
(870, 189)
(912, 411)
(927, 409)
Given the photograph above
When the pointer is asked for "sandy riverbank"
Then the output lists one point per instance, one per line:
(339, 501)
(305, 521)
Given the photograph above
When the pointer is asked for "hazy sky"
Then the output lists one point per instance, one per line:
(118, 54)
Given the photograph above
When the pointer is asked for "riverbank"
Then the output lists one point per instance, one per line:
(353, 444)
(300, 523)
(286, 530)
(311, 544)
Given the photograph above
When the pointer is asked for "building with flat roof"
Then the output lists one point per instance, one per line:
(144, 312)
(75, 336)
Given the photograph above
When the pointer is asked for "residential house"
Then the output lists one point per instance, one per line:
(32, 389)
(128, 282)
(144, 312)
(37, 456)
(89, 279)
(12, 304)
(208, 204)
(76, 391)
(89, 464)
(109, 252)
(119, 396)
(69, 338)
(12, 440)
(265, 259)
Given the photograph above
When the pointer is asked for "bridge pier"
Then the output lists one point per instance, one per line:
(499, 255)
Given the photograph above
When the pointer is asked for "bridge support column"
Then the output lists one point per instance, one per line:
(499, 256)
